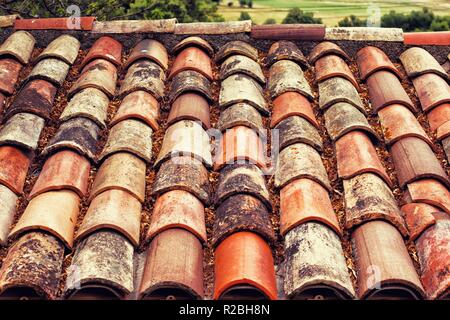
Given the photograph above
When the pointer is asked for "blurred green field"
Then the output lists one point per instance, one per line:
(330, 11)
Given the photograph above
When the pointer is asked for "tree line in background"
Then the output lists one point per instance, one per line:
(204, 11)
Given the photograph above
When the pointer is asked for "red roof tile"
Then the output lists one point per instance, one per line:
(427, 38)
(192, 58)
(371, 60)
(105, 48)
(331, 66)
(14, 164)
(292, 104)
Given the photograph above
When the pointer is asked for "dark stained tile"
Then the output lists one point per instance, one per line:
(79, 134)
(34, 261)
(9, 74)
(287, 76)
(236, 47)
(183, 173)
(102, 267)
(296, 129)
(190, 81)
(315, 266)
(242, 178)
(240, 114)
(22, 130)
(144, 75)
(368, 198)
(36, 97)
(242, 64)
(337, 89)
(50, 69)
(286, 50)
(300, 161)
(342, 118)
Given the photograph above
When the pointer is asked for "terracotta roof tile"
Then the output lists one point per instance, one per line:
(84, 23)
(292, 104)
(430, 191)
(397, 277)
(187, 138)
(64, 48)
(22, 130)
(236, 47)
(438, 116)
(122, 171)
(138, 105)
(89, 103)
(35, 262)
(371, 60)
(398, 122)
(385, 89)
(112, 209)
(144, 75)
(304, 200)
(36, 97)
(240, 114)
(238, 144)
(300, 161)
(190, 81)
(183, 173)
(296, 129)
(241, 212)
(190, 106)
(14, 164)
(287, 76)
(315, 266)
(241, 88)
(355, 154)
(55, 212)
(8, 205)
(414, 160)
(427, 38)
(63, 170)
(178, 209)
(99, 74)
(326, 48)
(192, 58)
(432, 91)
(102, 266)
(242, 178)
(244, 260)
(286, 50)
(174, 267)
(331, 66)
(50, 69)
(418, 218)
(193, 42)
(79, 134)
(20, 45)
(434, 256)
(418, 61)
(337, 89)
(131, 135)
(242, 64)
(265, 194)
(104, 48)
(342, 118)
(368, 198)
(9, 74)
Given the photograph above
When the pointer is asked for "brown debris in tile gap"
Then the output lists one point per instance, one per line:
(210, 213)
(274, 196)
(330, 163)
